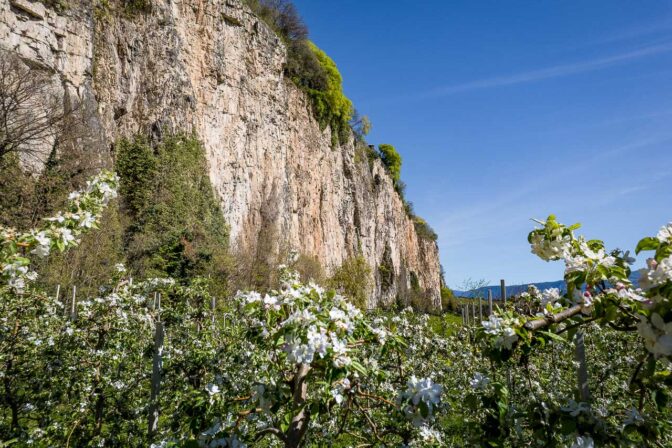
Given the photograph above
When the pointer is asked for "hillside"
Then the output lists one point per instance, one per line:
(517, 289)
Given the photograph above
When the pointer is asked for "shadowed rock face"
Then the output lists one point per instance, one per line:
(213, 68)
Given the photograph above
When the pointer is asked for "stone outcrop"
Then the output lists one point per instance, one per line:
(213, 68)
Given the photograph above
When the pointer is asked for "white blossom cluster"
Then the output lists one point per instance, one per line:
(419, 399)
(314, 325)
(502, 330)
(85, 208)
(479, 381)
(551, 297)
(656, 274)
(552, 248)
(558, 243)
(657, 334)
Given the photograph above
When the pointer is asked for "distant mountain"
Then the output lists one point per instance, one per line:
(512, 290)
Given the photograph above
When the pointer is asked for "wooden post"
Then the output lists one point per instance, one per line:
(489, 302)
(58, 292)
(473, 314)
(502, 286)
(480, 309)
(213, 306)
(73, 304)
(582, 367)
(157, 365)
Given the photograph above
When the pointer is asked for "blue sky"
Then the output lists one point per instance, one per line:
(506, 111)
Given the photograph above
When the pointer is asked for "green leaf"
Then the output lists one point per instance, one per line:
(661, 399)
(647, 243)
(553, 336)
(358, 367)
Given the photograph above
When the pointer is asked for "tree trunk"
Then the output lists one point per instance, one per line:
(299, 425)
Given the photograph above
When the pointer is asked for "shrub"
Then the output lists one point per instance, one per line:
(386, 269)
(360, 125)
(423, 229)
(309, 268)
(282, 17)
(392, 161)
(309, 67)
(448, 301)
(352, 278)
(174, 225)
(331, 106)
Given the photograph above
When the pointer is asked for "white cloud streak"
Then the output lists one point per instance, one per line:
(552, 72)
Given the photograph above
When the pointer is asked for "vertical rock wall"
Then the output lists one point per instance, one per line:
(213, 68)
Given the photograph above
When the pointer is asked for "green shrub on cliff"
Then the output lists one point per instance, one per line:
(423, 229)
(331, 106)
(174, 224)
(392, 161)
(352, 279)
(309, 67)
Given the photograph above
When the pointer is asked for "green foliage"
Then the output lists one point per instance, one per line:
(58, 5)
(360, 125)
(448, 300)
(137, 166)
(330, 104)
(25, 198)
(174, 224)
(386, 269)
(423, 229)
(310, 68)
(352, 279)
(392, 161)
(136, 6)
(88, 265)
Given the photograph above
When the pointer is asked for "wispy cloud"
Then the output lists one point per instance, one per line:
(552, 72)
(663, 26)
(462, 227)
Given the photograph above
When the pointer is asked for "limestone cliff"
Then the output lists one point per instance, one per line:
(212, 67)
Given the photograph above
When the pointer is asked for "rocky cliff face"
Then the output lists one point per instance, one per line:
(213, 68)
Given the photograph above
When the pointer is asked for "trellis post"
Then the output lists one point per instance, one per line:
(473, 314)
(157, 364)
(73, 304)
(489, 302)
(502, 287)
(213, 306)
(582, 367)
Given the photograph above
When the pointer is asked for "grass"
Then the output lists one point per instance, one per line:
(446, 324)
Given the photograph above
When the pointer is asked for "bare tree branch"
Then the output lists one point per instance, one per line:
(32, 113)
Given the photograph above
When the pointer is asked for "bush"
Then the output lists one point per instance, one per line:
(352, 279)
(386, 269)
(448, 301)
(360, 125)
(282, 17)
(309, 67)
(174, 225)
(423, 229)
(392, 161)
(331, 106)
